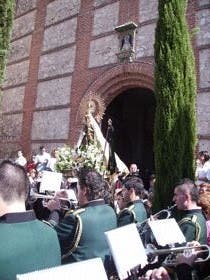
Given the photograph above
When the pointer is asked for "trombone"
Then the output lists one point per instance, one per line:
(202, 253)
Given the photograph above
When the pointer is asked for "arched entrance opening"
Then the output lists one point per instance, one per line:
(132, 113)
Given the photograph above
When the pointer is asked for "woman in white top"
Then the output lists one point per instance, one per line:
(21, 160)
(203, 167)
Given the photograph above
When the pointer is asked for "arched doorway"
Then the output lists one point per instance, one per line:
(132, 113)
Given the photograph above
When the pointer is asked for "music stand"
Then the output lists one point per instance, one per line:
(85, 270)
(127, 249)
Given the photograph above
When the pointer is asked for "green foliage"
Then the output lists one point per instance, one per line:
(175, 92)
(6, 19)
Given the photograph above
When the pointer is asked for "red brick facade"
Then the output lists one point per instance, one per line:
(104, 75)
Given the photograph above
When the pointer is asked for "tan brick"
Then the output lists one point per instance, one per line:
(145, 40)
(13, 125)
(23, 25)
(20, 49)
(47, 124)
(148, 10)
(203, 36)
(53, 92)
(57, 63)
(103, 51)
(203, 2)
(16, 74)
(12, 99)
(204, 57)
(24, 6)
(60, 34)
(203, 113)
(106, 19)
(57, 11)
(102, 2)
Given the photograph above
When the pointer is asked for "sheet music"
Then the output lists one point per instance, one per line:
(51, 181)
(71, 195)
(91, 269)
(167, 232)
(127, 249)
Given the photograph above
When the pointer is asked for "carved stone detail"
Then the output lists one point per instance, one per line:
(126, 35)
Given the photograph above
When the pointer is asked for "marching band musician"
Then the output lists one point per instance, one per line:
(183, 270)
(191, 218)
(81, 231)
(27, 244)
(192, 222)
(135, 210)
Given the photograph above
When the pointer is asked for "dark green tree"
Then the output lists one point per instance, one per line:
(6, 19)
(175, 92)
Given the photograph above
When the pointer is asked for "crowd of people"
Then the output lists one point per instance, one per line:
(37, 235)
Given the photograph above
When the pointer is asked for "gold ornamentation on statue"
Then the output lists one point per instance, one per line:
(93, 104)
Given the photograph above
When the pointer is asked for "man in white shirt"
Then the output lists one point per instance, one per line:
(42, 159)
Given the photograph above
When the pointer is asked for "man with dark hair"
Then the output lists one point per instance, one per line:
(26, 243)
(81, 231)
(133, 171)
(191, 219)
(135, 210)
(42, 159)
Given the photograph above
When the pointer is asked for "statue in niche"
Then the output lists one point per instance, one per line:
(127, 42)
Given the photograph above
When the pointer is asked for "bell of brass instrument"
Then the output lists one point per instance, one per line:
(202, 253)
(163, 214)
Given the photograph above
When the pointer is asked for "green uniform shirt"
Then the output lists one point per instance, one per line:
(135, 212)
(81, 232)
(27, 244)
(193, 225)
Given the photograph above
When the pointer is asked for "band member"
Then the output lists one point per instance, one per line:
(191, 219)
(27, 244)
(81, 232)
(135, 210)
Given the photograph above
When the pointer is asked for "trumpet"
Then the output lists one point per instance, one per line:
(202, 253)
(46, 196)
(71, 202)
(163, 214)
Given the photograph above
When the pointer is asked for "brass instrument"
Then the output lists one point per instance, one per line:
(202, 253)
(163, 214)
(46, 196)
(71, 202)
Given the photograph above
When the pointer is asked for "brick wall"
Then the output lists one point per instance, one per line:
(59, 53)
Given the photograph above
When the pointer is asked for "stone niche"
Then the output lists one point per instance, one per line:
(126, 35)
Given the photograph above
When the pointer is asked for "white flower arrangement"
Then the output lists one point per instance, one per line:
(89, 155)
(66, 159)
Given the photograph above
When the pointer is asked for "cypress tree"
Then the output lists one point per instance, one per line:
(175, 92)
(6, 19)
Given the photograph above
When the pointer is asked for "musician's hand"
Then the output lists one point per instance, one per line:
(157, 274)
(53, 204)
(193, 243)
(187, 257)
(61, 194)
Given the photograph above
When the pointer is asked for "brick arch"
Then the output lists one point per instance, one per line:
(114, 81)
(121, 77)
